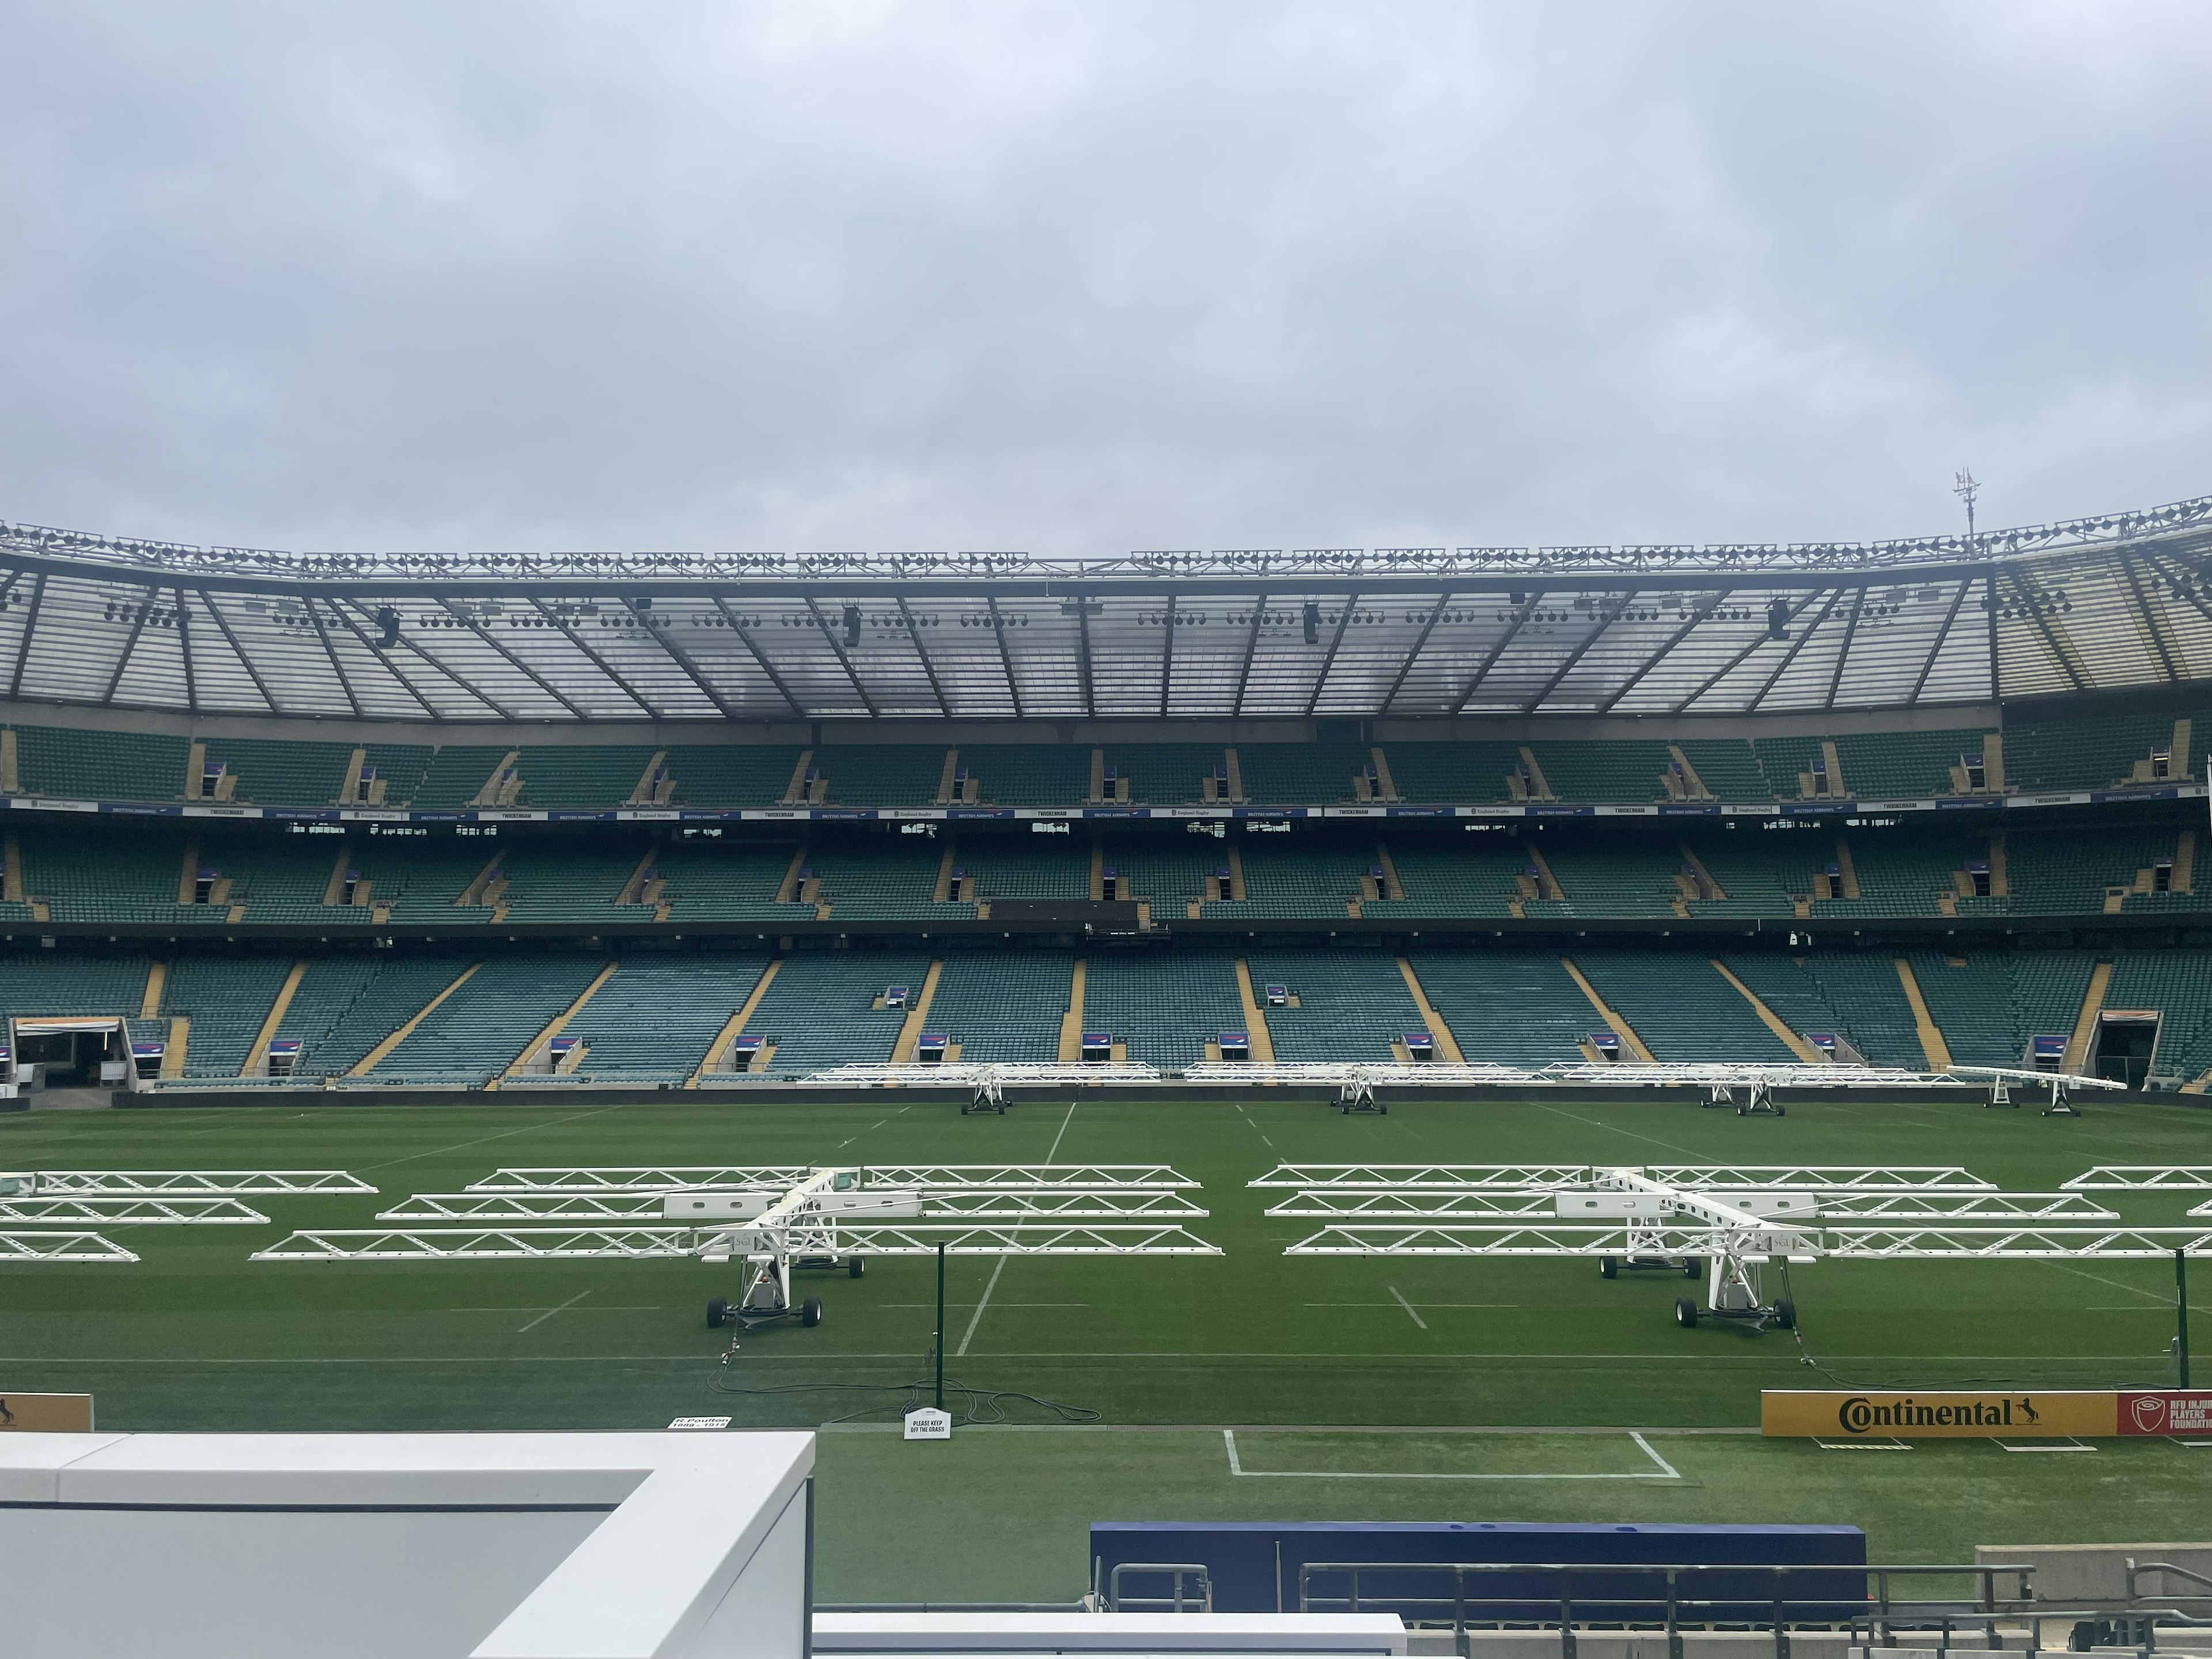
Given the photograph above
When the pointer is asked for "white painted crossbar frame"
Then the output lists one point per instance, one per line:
(177, 1183)
(954, 1074)
(1026, 1204)
(60, 1247)
(2142, 1177)
(1845, 1243)
(664, 1242)
(1384, 1204)
(1705, 1177)
(149, 1212)
(777, 1177)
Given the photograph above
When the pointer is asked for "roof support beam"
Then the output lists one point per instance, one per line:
(1795, 645)
(1498, 649)
(2060, 653)
(331, 652)
(2150, 622)
(184, 646)
(2195, 603)
(677, 655)
(1083, 661)
(1935, 649)
(1851, 633)
(476, 693)
(345, 614)
(1672, 640)
(23, 645)
(1251, 649)
(1167, 654)
(1005, 657)
(914, 633)
(745, 638)
(615, 677)
(130, 644)
(1605, 620)
(1725, 670)
(1420, 642)
(524, 668)
(1328, 658)
(222, 626)
(843, 661)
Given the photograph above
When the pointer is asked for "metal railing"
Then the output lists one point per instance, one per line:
(2202, 1593)
(1671, 1604)
(1200, 1600)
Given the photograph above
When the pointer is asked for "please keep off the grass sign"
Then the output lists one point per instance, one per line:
(2026, 1415)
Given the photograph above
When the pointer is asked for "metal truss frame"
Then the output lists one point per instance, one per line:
(177, 1183)
(755, 1177)
(1015, 1204)
(667, 1242)
(1843, 1243)
(2142, 1177)
(60, 1247)
(148, 1212)
(1704, 1177)
(1384, 1204)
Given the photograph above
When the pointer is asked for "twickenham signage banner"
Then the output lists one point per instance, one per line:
(2026, 1413)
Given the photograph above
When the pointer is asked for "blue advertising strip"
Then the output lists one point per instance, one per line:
(1488, 809)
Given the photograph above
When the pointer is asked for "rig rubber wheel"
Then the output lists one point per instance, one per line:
(810, 1312)
(1693, 1268)
(855, 1268)
(1686, 1314)
(1785, 1314)
(718, 1314)
(1607, 1268)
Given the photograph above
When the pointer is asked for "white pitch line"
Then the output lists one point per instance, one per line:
(1237, 1467)
(549, 1312)
(1408, 1307)
(969, 1335)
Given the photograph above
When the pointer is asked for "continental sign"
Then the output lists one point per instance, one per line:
(2021, 1415)
(46, 1413)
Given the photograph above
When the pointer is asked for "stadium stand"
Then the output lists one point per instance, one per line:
(1859, 998)
(283, 772)
(1285, 773)
(343, 1009)
(1518, 1008)
(826, 1010)
(1003, 1007)
(731, 774)
(1028, 774)
(651, 1021)
(882, 774)
(1469, 772)
(225, 1000)
(579, 776)
(1165, 774)
(1680, 1005)
(73, 765)
(1164, 1008)
(1348, 1005)
(476, 1033)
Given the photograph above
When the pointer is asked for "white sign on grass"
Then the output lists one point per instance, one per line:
(927, 1423)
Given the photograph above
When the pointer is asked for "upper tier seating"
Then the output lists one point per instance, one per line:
(283, 771)
(1166, 774)
(565, 775)
(731, 774)
(719, 880)
(1289, 880)
(1301, 774)
(1454, 772)
(456, 775)
(881, 773)
(74, 765)
(1028, 773)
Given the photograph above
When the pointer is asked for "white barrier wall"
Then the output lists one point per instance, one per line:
(366, 1546)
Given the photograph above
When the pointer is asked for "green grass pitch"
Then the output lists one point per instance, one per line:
(1308, 1361)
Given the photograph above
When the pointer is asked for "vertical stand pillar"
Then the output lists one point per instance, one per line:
(940, 1328)
(2181, 1312)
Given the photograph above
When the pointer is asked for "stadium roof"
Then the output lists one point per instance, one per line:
(1407, 632)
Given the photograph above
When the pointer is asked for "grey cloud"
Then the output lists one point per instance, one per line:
(1079, 279)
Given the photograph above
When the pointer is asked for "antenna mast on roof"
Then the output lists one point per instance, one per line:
(1965, 488)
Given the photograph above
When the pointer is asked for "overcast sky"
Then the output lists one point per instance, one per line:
(1086, 278)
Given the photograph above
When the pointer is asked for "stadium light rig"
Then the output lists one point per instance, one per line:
(1731, 1222)
(779, 1219)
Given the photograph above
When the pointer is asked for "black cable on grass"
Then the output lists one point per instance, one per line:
(1922, 1384)
(977, 1404)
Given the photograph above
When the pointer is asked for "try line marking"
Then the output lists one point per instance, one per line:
(1666, 1471)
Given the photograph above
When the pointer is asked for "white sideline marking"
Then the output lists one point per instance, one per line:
(549, 1312)
(1237, 1467)
(969, 1335)
(2046, 1446)
(1863, 1445)
(1408, 1307)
